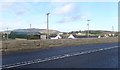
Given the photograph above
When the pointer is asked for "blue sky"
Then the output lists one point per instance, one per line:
(64, 16)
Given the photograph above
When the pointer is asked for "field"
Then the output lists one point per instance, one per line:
(29, 45)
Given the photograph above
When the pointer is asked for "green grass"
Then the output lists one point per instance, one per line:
(23, 45)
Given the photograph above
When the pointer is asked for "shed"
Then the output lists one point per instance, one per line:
(56, 37)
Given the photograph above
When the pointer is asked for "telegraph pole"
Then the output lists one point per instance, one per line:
(29, 31)
(7, 33)
(47, 25)
(30, 26)
(112, 28)
(88, 28)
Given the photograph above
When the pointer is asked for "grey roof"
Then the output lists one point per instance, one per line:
(33, 33)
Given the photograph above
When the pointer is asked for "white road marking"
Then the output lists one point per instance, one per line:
(53, 58)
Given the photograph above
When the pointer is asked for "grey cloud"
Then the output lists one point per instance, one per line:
(71, 19)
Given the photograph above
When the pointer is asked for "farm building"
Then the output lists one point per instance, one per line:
(25, 34)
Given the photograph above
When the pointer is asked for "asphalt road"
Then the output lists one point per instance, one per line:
(83, 56)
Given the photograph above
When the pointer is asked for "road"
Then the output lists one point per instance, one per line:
(83, 56)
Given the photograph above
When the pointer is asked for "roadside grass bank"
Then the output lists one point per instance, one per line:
(14, 46)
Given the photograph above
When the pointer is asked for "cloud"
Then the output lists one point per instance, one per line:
(19, 0)
(66, 9)
(7, 0)
(72, 19)
(69, 12)
(13, 24)
(85, 0)
(59, 0)
(22, 8)
(18, 8)
(64, 20)
(6, 5)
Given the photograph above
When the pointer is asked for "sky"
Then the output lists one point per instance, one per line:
(64, 16)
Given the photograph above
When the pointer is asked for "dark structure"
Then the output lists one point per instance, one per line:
(25, 34)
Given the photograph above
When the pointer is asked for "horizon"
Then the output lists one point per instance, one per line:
(58, 30)
(64, 16)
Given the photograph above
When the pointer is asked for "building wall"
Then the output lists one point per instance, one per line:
(0, 36)
(43, 36)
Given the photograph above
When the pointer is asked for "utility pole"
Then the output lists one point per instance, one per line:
(7, 33)
(88, 28)
(30, 26)
(29, 30)
(112, 28)
(47, 25)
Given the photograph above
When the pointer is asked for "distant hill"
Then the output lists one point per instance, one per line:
(36, 30)
(56, 31)
(102, 31)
